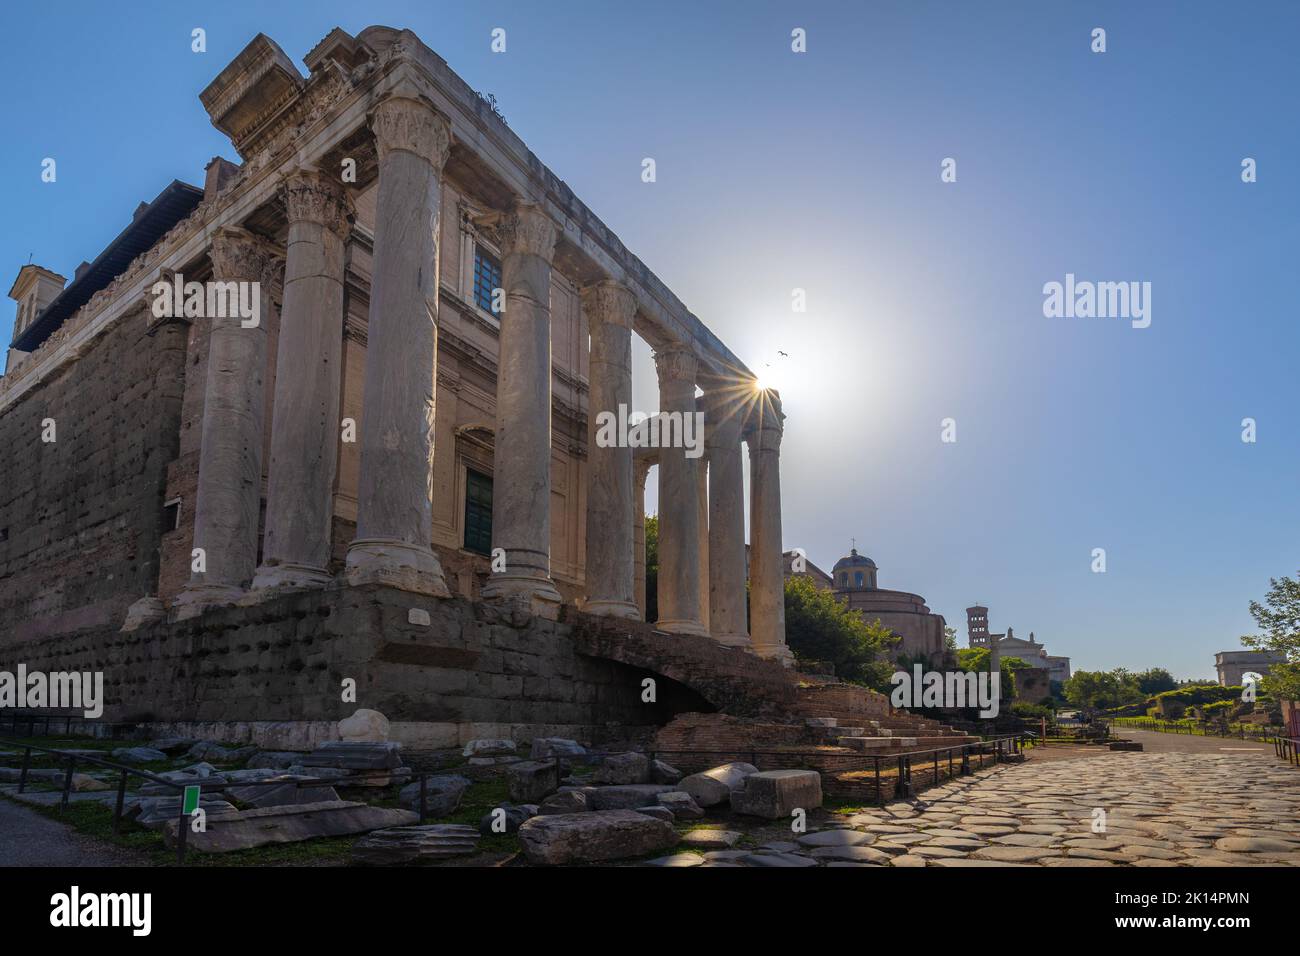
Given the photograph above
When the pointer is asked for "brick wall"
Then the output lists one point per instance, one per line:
(81, 517)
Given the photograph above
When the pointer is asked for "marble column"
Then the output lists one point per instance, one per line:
(228, 501)
(521, 464)
(308, 375)
(702, 549)
(766, 566)
(641, 471)
(610, 568)
(679, 512)
(393, 545)
(725, 405)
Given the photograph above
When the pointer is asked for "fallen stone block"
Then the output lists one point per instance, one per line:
(287, 794)
(774, 794)
(364, 726)
(566, 801)
(658, 812)
(80, 781)
(661, 772)
(489, 747)
(155, 812)
(273, 759)
(210, 750)
(543, 747)
(532, 780)
(172, 746)
(249, 828)
(418, 844)
(366, 759)
(625, 797)
(681, 803)
(506, 818)
(711, 839)
(623, 768)
(443, 794)
(714, 786)
(138, 755)
(593, 837)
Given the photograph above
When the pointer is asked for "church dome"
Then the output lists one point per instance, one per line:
(854, 560)
(854, 572)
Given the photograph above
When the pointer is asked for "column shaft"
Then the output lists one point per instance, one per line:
(642, 472)
(766, 568)
(610, 566)
(725, 406)
(305, 416)
(228, 499)
(394, 500)
(679, 513)
(702, 549)
(521, 480)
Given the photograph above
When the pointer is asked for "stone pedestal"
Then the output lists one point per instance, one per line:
(766, 566)
(394, 501)
(725, 405)
(609, 308)
(228, 500)
(305, 417)
(521, 479)
(679, 512)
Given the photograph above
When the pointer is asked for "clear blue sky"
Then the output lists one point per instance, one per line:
(821, 171)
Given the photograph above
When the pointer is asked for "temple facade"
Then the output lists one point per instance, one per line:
(438, 324)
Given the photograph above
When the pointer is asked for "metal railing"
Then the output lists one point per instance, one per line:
(1262, 735)
(1288, 749)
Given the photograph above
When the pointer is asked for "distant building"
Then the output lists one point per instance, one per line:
(1030, 651)
(1231, 665)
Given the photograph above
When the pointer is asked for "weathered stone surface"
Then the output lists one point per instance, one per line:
(366, 760)
(778, 860)
(566, 801)
(490, 747)
(287, 794)
(834, 838)
(209, 750)
(774, 794)
(508, 816)
(366, 726)
(532, 780)
(172, 746)
(681, 803)
(593, 837)
(856, 854)
(155, 812)
(714, 786)
(623, 768)
(677, 860)
(1256, 845)
(417, 844)
(443, 794)
(138, 755)
(250, 828)
(626, 796)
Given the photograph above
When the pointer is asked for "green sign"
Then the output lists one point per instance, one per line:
(191, 801)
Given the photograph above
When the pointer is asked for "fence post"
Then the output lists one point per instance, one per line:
(67, 784)
(121, 798)
(182, 831)
(424, 796)
(27, 762)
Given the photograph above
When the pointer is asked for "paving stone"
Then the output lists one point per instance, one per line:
(1016, 854)
(1255, 845)
(858, 854)
(677, 860)
(834, 838)
(711, 839)
(907, 860)
(778, 860)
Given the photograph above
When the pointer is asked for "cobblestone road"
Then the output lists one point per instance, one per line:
(1233, 808)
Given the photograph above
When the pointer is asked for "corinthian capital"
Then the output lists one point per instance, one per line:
(766, 427)
(676, 363)
(609, 302)
(238, 255)
(313, 196)
(412, 125)
(526, 229)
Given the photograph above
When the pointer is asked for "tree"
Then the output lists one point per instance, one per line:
(1102, 690)
(976, 659)
(950, 638)
(820, 628)
(1155, 680)
(652, 567)
(1279, 619)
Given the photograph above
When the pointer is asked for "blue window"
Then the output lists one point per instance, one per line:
(857, 579)
(478, 513)
(487, 278)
